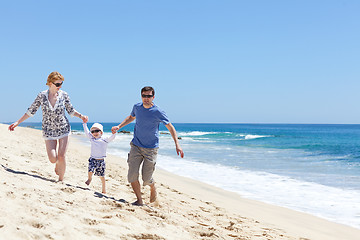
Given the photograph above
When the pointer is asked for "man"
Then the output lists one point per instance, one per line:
(145, 144)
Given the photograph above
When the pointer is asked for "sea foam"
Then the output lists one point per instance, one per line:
(335, 204)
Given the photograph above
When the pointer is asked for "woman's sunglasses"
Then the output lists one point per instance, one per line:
(95, 131)
(58, 84)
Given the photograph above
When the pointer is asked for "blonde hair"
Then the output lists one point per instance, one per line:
(53, 77)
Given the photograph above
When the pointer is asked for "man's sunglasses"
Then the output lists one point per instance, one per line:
(146, 96)
(95, 131)
(58, 84)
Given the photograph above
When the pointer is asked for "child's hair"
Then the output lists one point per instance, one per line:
(53, 77)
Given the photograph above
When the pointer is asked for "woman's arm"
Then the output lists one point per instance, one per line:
(15, 124)
(30, 112)
(82, 117)
(71, 110)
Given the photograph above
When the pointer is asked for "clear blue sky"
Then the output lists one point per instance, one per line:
(226, 61)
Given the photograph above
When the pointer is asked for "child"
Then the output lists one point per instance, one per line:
(98, 152)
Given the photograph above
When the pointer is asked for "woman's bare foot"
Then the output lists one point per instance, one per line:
(88, 182)
(56, 168)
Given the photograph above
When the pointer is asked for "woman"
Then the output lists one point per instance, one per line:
(55, 125)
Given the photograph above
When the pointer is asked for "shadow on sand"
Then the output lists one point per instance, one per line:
(96, 194)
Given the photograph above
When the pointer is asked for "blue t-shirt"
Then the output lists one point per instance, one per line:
(146, 131)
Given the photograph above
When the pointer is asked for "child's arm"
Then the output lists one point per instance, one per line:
(86, 130)
(109, 139)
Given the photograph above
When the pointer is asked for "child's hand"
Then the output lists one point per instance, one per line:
(114, 129)
(85, 119)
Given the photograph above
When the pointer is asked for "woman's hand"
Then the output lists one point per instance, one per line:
(84, 118)
(13, 126)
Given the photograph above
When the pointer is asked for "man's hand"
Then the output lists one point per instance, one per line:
(179, 151)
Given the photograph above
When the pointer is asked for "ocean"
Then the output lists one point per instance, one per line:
(309, 168)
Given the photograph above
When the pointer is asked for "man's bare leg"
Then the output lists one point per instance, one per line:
(153, 193)
(137, 190)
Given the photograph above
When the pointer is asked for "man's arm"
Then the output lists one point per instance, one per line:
(173, 133)
(127, 120)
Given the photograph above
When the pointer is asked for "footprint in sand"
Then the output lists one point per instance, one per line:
(204, 209)
(146, 236)
(37, 225)
(68, 190)
(11, 195)
(112, 203)
(158, 215)
(91, 221)
(35, 172)
(208, 235)
(230, 227)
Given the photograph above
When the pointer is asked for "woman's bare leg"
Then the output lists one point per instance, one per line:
(61, 163)
(57, 157)
(51, 150)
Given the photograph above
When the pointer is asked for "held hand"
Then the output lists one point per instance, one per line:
(114, 129)
(13, 126)
(84, 118)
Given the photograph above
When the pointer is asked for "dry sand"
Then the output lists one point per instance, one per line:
(35, 206)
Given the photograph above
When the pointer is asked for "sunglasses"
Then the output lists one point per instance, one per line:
(95, 131)
(58, 84)
(146, 96)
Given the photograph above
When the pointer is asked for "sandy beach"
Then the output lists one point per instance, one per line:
(35, 206)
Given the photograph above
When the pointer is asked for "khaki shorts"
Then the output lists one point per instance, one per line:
(139, 155)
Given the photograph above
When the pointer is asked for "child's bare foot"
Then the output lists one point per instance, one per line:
(104, 192)
(88, 182)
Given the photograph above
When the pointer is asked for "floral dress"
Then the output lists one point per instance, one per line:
(55, 125)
